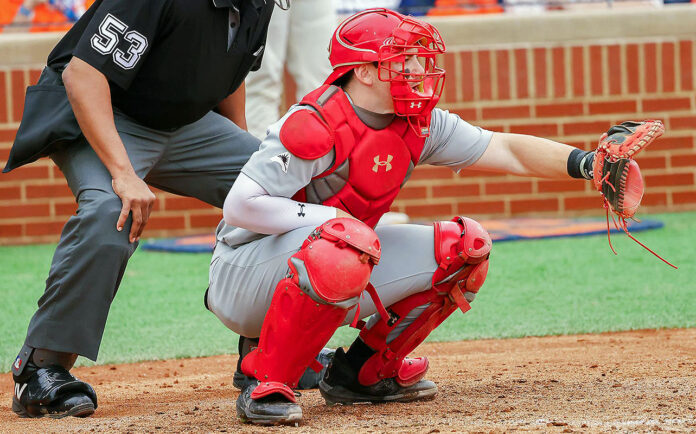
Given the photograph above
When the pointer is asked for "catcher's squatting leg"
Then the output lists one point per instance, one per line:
(375, 367)
(326, 278)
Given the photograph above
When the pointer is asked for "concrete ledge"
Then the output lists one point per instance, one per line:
(559, 27)
(26, 49)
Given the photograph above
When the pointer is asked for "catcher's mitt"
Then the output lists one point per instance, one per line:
(617, 176)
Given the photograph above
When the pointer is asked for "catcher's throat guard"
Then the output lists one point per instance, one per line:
(462, 249)
(325, 279)
(617, 176)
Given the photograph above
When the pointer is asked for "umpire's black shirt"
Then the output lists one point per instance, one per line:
(168, 61)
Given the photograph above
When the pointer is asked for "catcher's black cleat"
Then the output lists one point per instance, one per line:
(340, 386)
(309, 380)
(273, 409)
(52, 392)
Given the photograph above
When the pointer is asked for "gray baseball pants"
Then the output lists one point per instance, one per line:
(200, 160)
(243, 279)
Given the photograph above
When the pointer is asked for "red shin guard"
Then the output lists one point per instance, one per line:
(462, 248)
(325, 280)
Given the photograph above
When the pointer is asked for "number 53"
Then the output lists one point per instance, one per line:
(107, 39)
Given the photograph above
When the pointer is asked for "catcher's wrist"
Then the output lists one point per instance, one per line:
(580, 164)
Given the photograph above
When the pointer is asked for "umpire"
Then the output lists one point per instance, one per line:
(137, 92)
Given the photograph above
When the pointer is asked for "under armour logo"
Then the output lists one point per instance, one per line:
(379, 163)
(301, 213)
(414, 104)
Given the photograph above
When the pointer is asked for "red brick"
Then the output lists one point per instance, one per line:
(559, 78)
(591, 127)
(682, 160)
(574, 203)
(686, 62)
(665, 180)
(578, 65)
(65, 208)
(431, 172)
(668, 67)
(455, 190)
(509, 187)
(429, 210)
(614, 57)
(632, 74)
(521, 73)
(10, 230)
(166, 222)
(34, 75)
(666, 104)
(559, 110)
(473, 173)
(677, 198)
(9, 193)
(654, 199)
(596, 71)
(671, 142)
(3, 98)
(412, 193)
(625, 106)
(20, 211)
(540, 82)
(184, 203)
(533, 205)
(467, 78)
(658, 162)
(206, 220)
(26, 172)
(682, 122)
(542, 130)
(485, 83)
(559, 186)
(18, 89)
(466, 114)
(502, 61)
(47, 228)
(450, 93)
(650, 50)
(480, 207)
(48, 191)
(8, 136)
(515, 111)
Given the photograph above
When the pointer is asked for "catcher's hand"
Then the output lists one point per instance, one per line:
(617, 176)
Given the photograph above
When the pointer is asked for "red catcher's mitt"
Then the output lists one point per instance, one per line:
(617, 176)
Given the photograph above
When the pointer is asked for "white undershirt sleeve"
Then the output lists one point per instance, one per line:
(248, 205)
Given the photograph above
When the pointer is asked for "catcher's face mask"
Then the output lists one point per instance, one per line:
(405, 51)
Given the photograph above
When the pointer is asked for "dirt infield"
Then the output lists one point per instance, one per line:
(629, 381)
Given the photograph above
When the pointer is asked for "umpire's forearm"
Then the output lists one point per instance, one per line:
(90, 98)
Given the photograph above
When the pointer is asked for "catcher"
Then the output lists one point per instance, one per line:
(297, 254)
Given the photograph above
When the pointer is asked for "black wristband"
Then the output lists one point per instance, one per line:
(580, 164)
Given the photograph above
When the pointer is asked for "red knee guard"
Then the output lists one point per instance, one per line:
(325, 280)
(462, 248)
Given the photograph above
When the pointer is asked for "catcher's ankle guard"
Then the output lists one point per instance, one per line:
(325, 280)
(462, 248)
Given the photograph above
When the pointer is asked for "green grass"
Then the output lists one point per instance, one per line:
(534, 288)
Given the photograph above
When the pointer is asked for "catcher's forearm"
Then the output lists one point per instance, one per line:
(527, 156)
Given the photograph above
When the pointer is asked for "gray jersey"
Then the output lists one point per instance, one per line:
(452, 142)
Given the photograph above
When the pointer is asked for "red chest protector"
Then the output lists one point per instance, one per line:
(370, 165)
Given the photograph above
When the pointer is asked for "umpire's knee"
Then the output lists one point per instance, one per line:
(98, 213)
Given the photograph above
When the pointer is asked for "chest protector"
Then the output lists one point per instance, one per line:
(370, 166)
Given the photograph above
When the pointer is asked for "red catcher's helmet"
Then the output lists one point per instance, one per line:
(387, 37)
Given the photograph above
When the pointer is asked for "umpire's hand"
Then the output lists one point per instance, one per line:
(137, 199)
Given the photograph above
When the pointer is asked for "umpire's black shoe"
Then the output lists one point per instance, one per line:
(309, 380)
(340, 386)
(270, 410)
(52, 392)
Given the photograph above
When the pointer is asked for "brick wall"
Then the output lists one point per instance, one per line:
(570, 91)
